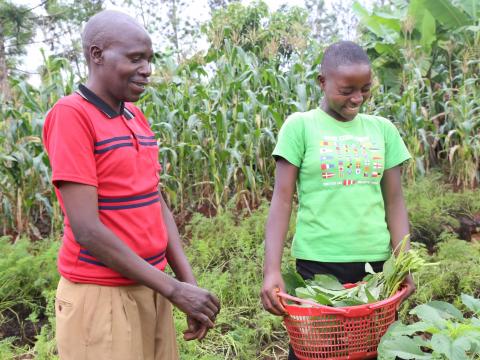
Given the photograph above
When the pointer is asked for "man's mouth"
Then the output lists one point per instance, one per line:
(140, 84)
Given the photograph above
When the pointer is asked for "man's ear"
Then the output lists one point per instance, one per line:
(96, 55)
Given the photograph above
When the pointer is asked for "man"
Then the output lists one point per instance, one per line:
(113, 299)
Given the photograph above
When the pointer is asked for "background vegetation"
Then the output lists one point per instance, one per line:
(216, 115)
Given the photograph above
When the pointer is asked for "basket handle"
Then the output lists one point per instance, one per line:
(283, 296)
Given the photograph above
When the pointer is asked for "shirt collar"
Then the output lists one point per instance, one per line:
(101, 105)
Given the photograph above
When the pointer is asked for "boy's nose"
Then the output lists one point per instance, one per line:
(357, 100)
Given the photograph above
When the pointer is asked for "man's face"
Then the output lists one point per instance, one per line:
(127, 65)
(346, 88)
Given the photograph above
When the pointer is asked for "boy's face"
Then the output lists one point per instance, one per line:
(126, 65)
(346, 88)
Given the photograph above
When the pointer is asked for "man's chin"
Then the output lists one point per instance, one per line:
(133, 97)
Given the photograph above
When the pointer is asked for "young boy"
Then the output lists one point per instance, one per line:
(113, 299)
(347, 168)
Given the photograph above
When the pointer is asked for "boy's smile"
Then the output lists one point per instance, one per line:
(346, 88)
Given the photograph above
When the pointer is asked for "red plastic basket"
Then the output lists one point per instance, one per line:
(323, 332)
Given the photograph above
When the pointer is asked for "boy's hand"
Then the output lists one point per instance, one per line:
(199, 304)
(271, 283)
(408, 282)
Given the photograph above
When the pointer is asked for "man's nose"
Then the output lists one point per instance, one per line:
(146, 69)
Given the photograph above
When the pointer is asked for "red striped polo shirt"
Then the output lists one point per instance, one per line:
(89, 143)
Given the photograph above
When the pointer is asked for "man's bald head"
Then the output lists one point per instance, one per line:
(104, 28)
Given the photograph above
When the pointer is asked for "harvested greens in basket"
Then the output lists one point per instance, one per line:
(327, 290)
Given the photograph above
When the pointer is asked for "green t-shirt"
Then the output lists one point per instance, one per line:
(341, 215)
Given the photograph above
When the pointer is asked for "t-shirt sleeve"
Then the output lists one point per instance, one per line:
(395, 150)
(290, 143)
(69, 141)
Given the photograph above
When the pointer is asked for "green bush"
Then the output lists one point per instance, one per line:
(457, 271)
(434, 208)
(226, 253)
(28, 279)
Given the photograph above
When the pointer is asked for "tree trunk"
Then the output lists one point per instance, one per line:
(4, 86)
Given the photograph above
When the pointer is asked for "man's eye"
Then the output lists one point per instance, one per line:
(136, 59)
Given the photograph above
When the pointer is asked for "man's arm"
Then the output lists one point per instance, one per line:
(178, 262)
(396, 214)
(81, 206)
(175, 255)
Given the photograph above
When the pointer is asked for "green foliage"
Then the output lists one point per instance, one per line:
(216, 115)
(19, 284)
(16, 23)
(45, 346)
(274, 35)
(227, 257)
(425, 53)
(449, 334)
(217, 130)
(28, 279)
(434, 209)
(457, 271)
(327, 290)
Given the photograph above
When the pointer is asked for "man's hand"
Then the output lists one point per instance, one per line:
(272, 282)
(195, 330)
(199, 304)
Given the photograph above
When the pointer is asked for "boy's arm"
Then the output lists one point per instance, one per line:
(276, 229)
(81, 206)
(396, 213)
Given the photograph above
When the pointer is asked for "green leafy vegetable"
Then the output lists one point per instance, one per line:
(441, 333)
(327, 290)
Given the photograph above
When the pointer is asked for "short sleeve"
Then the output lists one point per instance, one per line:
(69, 140)
(395, 150)
(291, 140)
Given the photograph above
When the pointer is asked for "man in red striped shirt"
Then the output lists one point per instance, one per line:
(113, 299)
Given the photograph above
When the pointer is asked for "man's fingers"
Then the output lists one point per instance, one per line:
(202, 318)
(202, 332)
(198, 332)
(213, 307)
(187, 335)
(215, 300)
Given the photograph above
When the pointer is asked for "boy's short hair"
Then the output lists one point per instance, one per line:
(343, 53)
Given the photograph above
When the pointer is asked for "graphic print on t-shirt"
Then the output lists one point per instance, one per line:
(350, 160)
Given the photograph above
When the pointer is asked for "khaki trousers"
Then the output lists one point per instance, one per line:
(95, 322)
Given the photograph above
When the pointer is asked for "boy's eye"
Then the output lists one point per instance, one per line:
(367, 89)
(345, 92)
(136, 59)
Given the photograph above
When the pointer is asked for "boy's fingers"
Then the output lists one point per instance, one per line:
(271, 304)
(276, 303)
